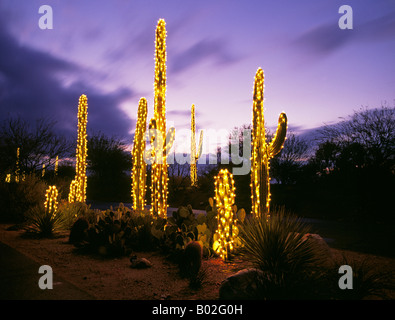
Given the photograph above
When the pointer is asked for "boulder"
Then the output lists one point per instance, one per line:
(140, 263)
(321, 247)
(243, 285)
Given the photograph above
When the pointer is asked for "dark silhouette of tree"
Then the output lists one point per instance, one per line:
(286, 167)
(370, 129)
(38, 145)
(109, 166)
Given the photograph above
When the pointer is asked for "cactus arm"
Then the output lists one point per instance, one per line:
(169, 141)
(279, 138)
(194, 154)
(200, 148)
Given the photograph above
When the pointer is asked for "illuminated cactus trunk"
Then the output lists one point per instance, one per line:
(157, 156)
(263, 152)
(78, 185)
(159, 176)
(224, 200)
(194, 155)
(51, 200)
(139, 166)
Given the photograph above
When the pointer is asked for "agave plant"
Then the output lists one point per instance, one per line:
(278, 247)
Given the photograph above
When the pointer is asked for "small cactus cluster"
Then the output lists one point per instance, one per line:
(78, 185)
(262, 152)
(195, 155)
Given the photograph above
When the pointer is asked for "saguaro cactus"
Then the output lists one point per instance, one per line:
(194, 155)
(78, 185)
(224, 199)
(139, 165)
(159, 176)
(262, 152)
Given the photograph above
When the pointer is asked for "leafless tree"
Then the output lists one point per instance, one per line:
(38, 145)
(373, 129)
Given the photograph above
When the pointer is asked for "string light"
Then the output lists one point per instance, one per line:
(17, 170)
(139, 165)
(161, 143)
(51, 200)
(227, 229)
(194, 155)
(78, 185)
(261, 151)
(56, 165)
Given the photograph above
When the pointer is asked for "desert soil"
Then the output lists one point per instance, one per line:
(110, 279)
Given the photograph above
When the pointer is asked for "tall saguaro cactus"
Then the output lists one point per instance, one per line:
(194, 154)
(159, 176)
(78, 185)
(262, 152)
(139, 165)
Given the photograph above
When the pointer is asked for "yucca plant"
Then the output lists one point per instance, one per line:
(43, 223)
(278, 247)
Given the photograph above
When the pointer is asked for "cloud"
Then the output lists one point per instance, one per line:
(327, 38)
(214, 50)
(32, 85)
(181, 113)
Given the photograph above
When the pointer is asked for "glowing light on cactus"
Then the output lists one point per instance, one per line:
(263, 152)
(8, 178)
(17, 170)
(78, 191)
(224, 198)
(56, 165)
(43, 171)
(73, 191)
(194, 155)
(51, 200)
(161, 143)
(139, 165)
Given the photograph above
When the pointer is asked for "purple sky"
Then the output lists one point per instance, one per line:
(314, 71)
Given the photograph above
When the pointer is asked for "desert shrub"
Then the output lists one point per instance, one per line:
(16, 199)
(277, 246)
(367, 282)
(72, 211)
